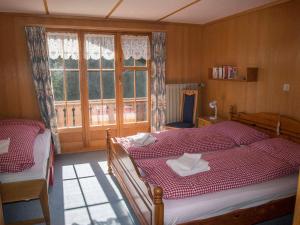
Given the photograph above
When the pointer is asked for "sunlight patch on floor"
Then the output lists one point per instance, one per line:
(92, 191)
(114, 186)
(84, 170)
(72, 194)
(85, 200)
(77, 217)
(104, 167)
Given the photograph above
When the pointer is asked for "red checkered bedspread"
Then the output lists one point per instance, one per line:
(220, 136)
(22, 134)
(176, 142)
(234, 168)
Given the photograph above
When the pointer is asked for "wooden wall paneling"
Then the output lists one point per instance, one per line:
(9, 84)
(183, 53)
(28, 101)
(268, 39)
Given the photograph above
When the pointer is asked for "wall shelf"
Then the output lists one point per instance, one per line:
(251, 75)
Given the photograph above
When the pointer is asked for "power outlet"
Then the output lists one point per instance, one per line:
(286, 87)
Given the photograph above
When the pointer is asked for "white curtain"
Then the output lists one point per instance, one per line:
(63, 45)
(100, 46)
(136, 47)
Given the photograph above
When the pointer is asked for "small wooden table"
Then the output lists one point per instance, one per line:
(205, 121)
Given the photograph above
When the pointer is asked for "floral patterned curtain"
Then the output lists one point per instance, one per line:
(158, 85)
(37, 47)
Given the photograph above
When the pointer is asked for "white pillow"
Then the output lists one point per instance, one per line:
(4, 145)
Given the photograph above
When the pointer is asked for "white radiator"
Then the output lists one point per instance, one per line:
(173, 99)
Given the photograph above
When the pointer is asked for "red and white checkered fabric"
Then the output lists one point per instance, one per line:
(232, 168)
(20, 153)
(280, 148)
(24, 122)
(240, 133)
(179, 141)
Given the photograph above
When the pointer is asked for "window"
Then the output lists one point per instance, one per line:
(94, 90)
(100, 60)
(135, 78)
(64, 70)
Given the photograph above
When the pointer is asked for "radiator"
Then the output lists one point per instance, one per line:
(173, 92)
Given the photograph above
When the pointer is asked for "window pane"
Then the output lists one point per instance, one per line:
(57, 79)
(128, 62)
(129, 112)
(141, 111)
(61, 115)
(93, 63)
(141, 83)
(107, 64)
(71, 63)
(73, 91)
(109, 111)
(108, 84)
(71, 51)
(56, 63)
(94, 85)
(128, 84)
(96, 112)
(141, 62)
(74, 114)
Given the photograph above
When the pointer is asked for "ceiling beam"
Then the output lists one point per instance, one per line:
(178, 10)
(46, 7)
(114, 8)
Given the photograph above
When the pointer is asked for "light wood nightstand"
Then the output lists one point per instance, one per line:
(205, 121)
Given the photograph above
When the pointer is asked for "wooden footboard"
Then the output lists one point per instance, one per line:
(146, 201)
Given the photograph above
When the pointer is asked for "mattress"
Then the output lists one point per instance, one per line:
(218, 203)
(41, 151)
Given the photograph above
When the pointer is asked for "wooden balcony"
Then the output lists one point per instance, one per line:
(101, 112)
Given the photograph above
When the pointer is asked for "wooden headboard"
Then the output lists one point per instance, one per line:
(271, 123)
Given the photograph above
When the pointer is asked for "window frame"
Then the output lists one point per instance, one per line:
(64, 102)
(91, 137)
(101, 70)
(135, 68)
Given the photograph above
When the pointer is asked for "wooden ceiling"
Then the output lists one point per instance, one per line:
(180, 11)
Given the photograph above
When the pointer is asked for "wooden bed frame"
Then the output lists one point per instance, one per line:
(28, 190)
(147, 202)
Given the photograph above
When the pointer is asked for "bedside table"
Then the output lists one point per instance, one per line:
(205, 121)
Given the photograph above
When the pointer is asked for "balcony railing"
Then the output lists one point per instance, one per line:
(101, 112)
(68, 113)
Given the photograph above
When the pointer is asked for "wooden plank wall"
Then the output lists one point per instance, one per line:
(268, 39)
(17, 95)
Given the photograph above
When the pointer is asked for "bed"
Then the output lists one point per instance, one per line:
(31, 183)
(247, 205)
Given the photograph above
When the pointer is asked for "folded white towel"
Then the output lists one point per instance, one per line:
(187, 161)
(201, 166)
(4, 145)
(141, 139)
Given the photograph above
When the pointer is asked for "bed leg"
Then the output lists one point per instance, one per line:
(158, 206)
(1, 210)
(45, 203)
(108, 147)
